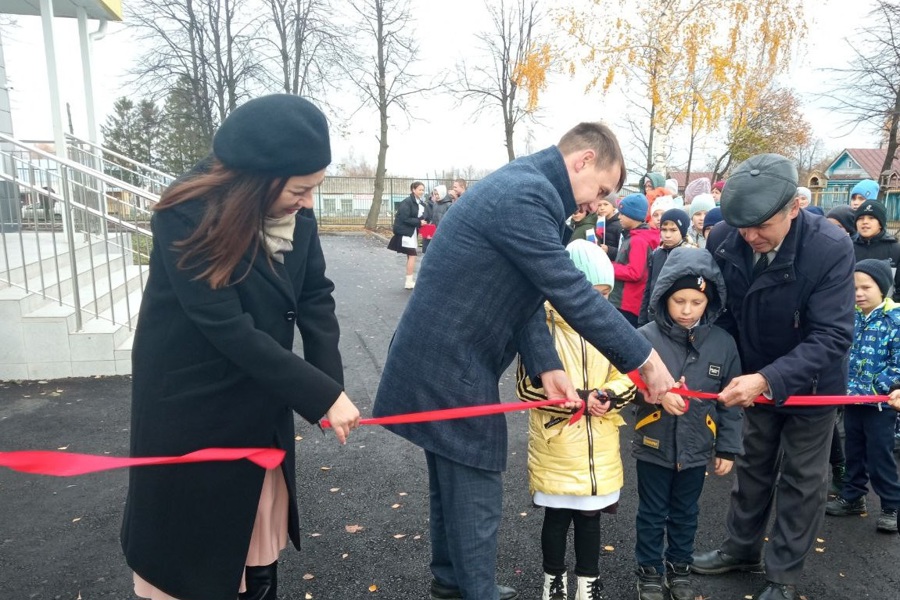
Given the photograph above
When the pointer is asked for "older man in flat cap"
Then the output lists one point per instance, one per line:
(789, 275)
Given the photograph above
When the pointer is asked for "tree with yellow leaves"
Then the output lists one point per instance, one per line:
(774, 124)
(515, 72)
(690, 59)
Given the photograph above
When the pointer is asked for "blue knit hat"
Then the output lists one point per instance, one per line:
(677, 216)
(867, 188)
(712, 217)
(634, 206)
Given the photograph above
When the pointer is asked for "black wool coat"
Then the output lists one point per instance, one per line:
(406, 218)
(214, 368)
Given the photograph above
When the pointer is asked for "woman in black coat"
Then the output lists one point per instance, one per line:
(410, 214)
(236, 264)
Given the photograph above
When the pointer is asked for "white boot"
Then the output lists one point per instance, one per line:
(588, 588)
(410, 283)
(555, 587)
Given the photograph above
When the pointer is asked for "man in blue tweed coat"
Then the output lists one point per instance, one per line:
(497, 257)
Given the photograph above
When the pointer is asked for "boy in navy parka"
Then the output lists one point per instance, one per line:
(673, 443)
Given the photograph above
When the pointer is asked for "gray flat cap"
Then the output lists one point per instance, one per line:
(757, 189)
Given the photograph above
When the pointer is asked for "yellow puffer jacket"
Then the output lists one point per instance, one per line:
(581, 459)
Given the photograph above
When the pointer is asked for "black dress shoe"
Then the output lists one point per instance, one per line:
(715, 562)
(261, 583)
(777, 591)
(443, 592)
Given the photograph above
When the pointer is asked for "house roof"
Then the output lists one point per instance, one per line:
(679, 176)
(869, 159)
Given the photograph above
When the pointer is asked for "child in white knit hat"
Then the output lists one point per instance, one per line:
(575, 471)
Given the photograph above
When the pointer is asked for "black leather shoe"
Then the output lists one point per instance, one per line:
(715, 562)
(443, 592)
(777, 591)
(261, 582)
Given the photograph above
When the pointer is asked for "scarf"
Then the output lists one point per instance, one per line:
(278, 236)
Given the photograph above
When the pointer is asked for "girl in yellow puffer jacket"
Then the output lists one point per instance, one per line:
(575, 471)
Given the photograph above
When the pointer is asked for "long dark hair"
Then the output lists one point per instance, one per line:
(236, 206)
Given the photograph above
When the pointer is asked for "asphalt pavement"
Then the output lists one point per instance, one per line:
(364, 506)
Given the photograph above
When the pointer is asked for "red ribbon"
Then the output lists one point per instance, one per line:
(791, 400)
(66, 464)
(463, 413)
(63, 464)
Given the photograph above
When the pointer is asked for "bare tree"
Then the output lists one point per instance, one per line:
(518, 59)
(382, 72)
(208, 43)
(307, 46)
(869, 91)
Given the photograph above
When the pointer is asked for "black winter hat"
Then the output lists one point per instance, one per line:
(279, 135)
(677, 216)
(844, 215)
(880, 271)
(692, 282)
(759, 187)
(873, 208)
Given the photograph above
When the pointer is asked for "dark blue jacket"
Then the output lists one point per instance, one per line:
(794, 323)
(491, 274)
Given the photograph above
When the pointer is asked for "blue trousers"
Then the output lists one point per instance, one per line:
(464, 518)
(667, 508)
(870, 454)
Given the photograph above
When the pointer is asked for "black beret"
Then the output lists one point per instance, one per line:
(757, 189)
(279, 135)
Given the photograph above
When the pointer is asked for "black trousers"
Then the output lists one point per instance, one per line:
(784, 467)
(554, 536)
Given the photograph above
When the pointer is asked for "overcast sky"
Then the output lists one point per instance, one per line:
(443, 135)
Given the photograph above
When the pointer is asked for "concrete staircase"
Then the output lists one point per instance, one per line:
(39, 333)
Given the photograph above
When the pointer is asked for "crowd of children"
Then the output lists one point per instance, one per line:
(659, 280)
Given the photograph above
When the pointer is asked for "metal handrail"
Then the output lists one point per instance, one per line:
(165, 178)
(76, 166)
(74, 187)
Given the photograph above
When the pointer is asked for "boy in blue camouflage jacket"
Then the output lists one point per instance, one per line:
(874, 370)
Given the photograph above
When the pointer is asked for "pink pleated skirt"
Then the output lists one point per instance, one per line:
(268, 539)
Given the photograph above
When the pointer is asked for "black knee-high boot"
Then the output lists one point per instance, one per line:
(261, 583)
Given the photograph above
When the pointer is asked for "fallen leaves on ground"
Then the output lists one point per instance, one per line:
(353, 528)
(308, 576)
(373, 588)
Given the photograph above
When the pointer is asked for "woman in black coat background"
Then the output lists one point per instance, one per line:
(236, 264)
(411, 213)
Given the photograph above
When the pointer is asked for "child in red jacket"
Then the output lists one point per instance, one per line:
(638, 242)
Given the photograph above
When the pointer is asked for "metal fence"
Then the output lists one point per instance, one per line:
(347, 200)
(832, 197)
